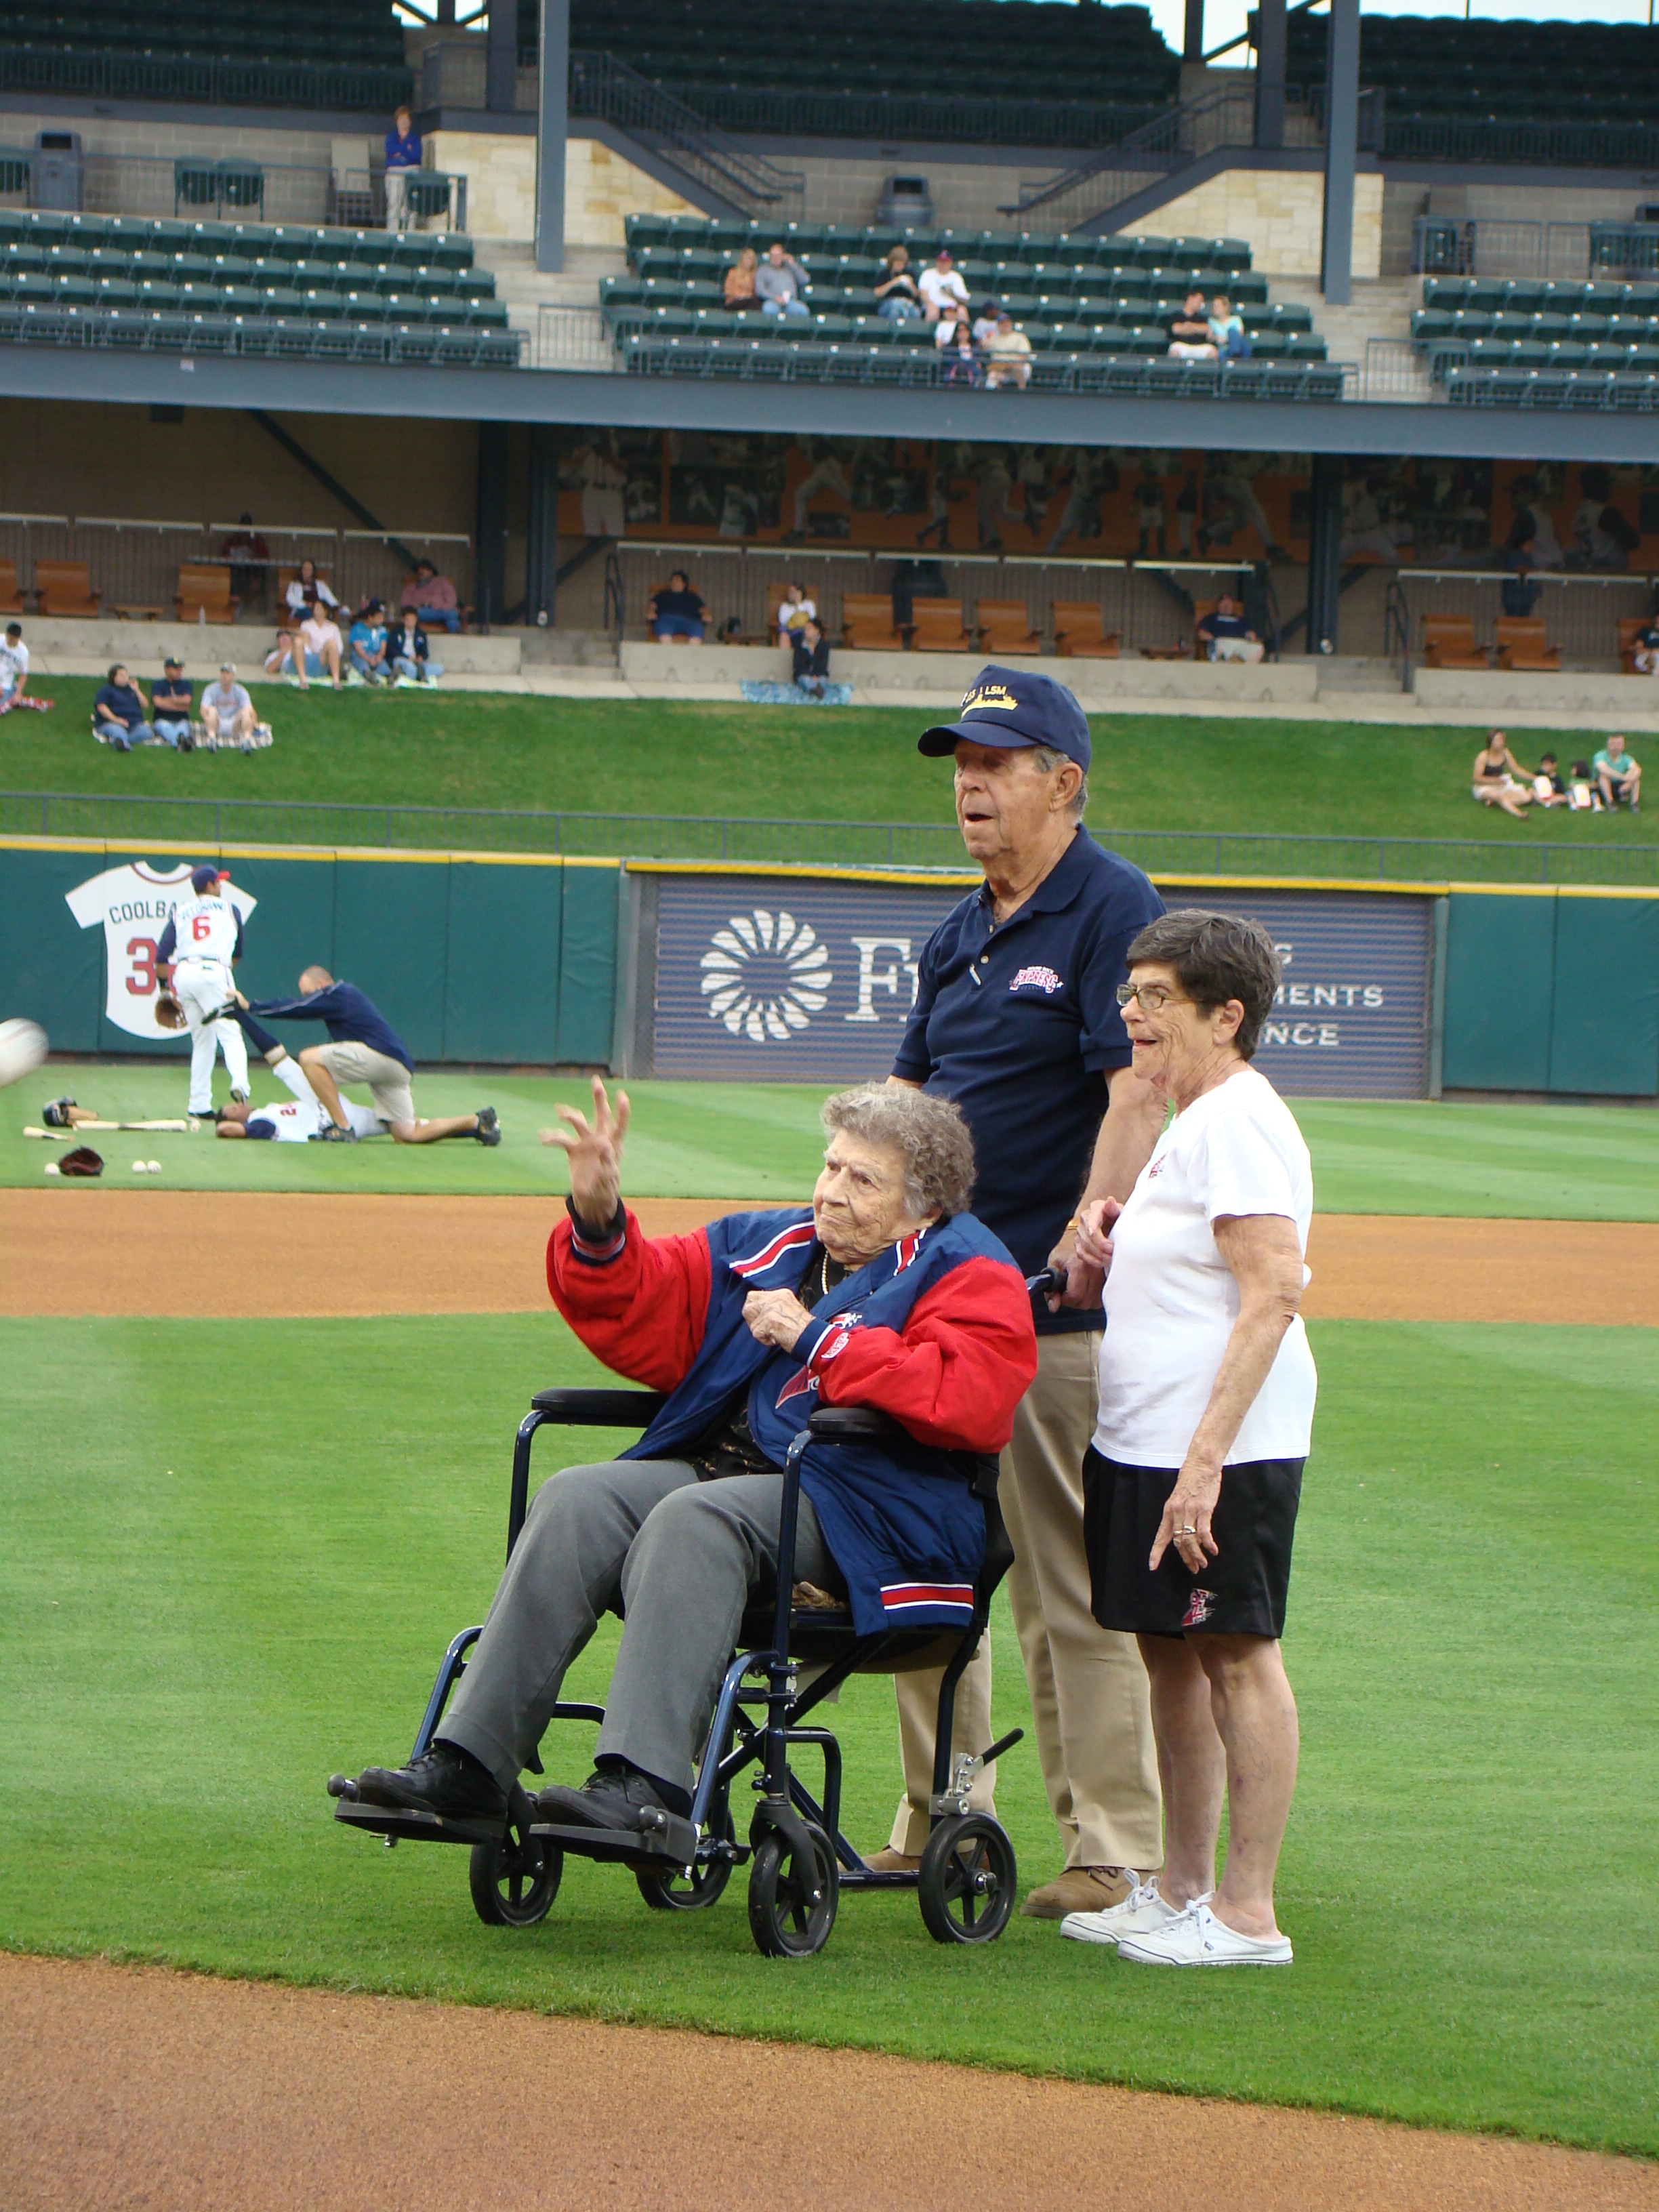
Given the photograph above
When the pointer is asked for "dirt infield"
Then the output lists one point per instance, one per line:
(139, 2088)
(80, 1251)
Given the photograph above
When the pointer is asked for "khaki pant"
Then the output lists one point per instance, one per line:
(1090, 1701)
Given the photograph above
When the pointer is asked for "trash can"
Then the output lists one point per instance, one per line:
(1437, 248)
(60, 170)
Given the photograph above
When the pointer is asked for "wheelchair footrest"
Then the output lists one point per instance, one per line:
(406, 1827)
(675, 1843)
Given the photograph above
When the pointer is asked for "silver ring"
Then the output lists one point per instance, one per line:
(1189, 1527)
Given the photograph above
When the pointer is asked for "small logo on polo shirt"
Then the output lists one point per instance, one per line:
(1037, 979)
(984, 696)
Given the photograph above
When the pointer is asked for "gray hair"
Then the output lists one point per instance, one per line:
(929, 1132)
(1049, 760)
(1216, 958)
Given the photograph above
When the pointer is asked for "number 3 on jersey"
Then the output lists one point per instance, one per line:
(141, 950)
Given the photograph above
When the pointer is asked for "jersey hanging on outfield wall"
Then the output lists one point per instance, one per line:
(133, 904)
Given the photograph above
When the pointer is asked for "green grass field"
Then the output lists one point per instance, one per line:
(234, 1552)
(762, 1141)
(496, 750)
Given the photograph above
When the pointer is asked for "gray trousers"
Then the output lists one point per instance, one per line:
(679, 1556)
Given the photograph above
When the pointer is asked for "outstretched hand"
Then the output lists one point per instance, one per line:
(594, 1149)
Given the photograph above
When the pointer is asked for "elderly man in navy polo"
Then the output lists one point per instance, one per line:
(1016, 1019)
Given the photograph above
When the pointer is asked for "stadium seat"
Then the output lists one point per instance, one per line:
(867, 623)
(1005, 628)
(1080, 631)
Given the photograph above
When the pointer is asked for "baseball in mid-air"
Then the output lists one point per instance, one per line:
(22, 1050)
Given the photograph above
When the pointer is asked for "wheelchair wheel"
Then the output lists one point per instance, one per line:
(675, 1892)
(783, 1918)
(515, 1883)
(966, 1884)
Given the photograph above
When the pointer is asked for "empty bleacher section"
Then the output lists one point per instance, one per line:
(1092, 308)
(1009, 72)
(249, 289)
(1495, 343)
(350, 56)
(1458, 90)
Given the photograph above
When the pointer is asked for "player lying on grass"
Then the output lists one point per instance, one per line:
(294, 1120)
(364, 1048)
(885, 1291)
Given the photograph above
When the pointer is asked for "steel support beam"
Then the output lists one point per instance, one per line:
(1270, 73)
(552, 104)
(1324, 545)
(542, 547)
(502, 58)
(1341, 151)
(489, 566)
(1192, 46)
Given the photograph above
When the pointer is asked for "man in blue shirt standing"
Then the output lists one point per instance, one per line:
(402, 154)
(363, 1048)
(1016, 1019)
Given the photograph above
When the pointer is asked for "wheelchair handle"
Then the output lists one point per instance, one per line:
(1050, 1284)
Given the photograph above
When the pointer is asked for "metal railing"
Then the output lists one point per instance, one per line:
(431, 195)
(107, 75)
(601, 86)
(1171, 141)
(572, 338)
(145, 185)
(1492, 139)
(1394, 370)
(201, 823)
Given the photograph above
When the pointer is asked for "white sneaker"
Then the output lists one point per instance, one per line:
(1196, 1938)
(1140, 1912)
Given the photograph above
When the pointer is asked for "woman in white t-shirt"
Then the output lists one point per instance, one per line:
(1206, 1400)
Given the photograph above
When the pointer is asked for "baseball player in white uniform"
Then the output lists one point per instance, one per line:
(201, 943)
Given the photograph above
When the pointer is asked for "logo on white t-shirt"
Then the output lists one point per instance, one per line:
(133, 904)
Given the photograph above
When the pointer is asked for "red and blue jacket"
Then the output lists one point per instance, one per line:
(936, 1332)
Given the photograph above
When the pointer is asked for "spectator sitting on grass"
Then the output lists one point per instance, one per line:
(897, 297)
(227, 710)
(432, 596)
(1644, 652)
(370, 658)
(13, 665)
(1520, 591)
(411, 660)
(1618, 777)
(942, 288)
(811, 651)
(1227, 331)
(1190, 329)
(319, 649)
(677, 615)
(1548, 787)
(1225, 636)
(307, 589)
(739, 290)
(778, 283)
(1499, 778)
(1008, 355)
(123, 719)
(170, 703)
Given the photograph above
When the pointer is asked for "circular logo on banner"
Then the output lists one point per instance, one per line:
(764, 975)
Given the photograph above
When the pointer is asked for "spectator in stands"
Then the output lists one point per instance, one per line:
(170, 703)
(1548, 787)
(1190, 329)
(402, 154)
(942, 288)
(307, 589)
(955, 340)
(795, 610)
(1499, 778)
(778, 283)
(1618, 777)
(1520, 591)
(811, 651)
(1644, 651)
(1007, 356)
(676, 614)
(320, 647)
(371, 657)
(122, 718)
(985, 322)
(896, 297)
(739, 290)
(411, 659)
(433, 596)
(1225, 636)
(249, 557)
(14, 665)
(1227, 331)
(1603, 537)
(227, 710)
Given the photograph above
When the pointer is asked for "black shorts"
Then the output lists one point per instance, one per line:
(1240, 1592)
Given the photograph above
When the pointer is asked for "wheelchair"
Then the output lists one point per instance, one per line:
(789, 1660)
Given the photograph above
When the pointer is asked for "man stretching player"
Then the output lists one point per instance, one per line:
(297, 1121)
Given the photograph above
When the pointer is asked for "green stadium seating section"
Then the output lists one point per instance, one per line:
(1534, 330)
(195, 51)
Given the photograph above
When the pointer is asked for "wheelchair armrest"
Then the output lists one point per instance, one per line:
(600, 1409)
(853, 1425)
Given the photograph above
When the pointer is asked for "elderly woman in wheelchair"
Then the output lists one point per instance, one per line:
(869, 1535)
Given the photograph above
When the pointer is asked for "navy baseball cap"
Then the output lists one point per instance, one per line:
(1010, 706)
(207, 877)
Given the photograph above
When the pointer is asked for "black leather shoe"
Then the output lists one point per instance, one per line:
(443, 1780)
(489, 1131)
(611, 1798)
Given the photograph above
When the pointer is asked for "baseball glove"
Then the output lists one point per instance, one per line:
(55, 1113)
(82, 1161)
(169, 1014)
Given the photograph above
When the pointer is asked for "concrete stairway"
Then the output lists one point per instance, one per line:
(575, 338)
(1382, 308)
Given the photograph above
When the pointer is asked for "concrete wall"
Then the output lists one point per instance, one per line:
(1280, 211)
(601, 187)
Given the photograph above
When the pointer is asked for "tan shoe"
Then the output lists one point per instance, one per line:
(1080, 1889)
(887, 1861)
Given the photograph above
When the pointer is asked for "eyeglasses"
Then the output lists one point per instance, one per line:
(1152, 996)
